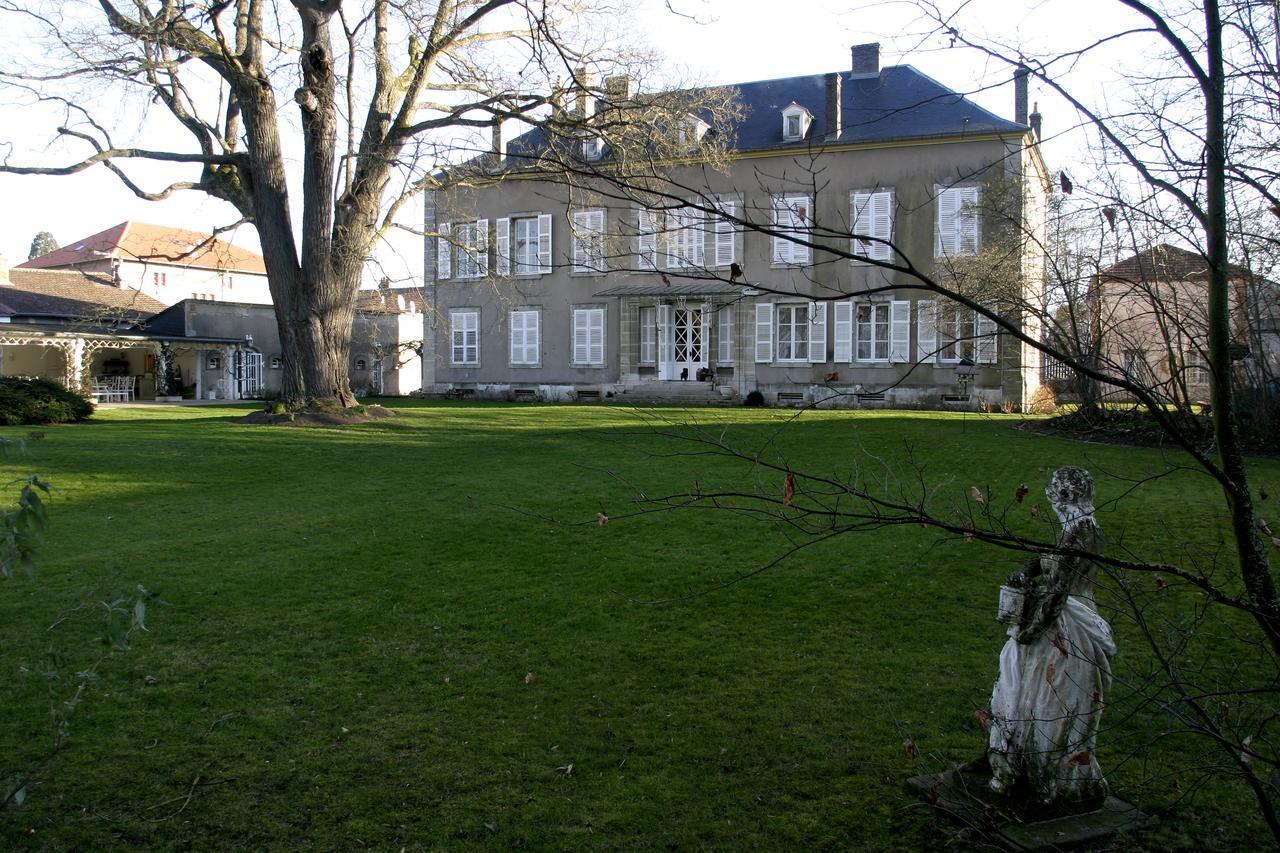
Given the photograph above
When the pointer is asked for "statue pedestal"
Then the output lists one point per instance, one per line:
(963, 796)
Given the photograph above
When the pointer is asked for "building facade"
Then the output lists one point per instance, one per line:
(541, 288)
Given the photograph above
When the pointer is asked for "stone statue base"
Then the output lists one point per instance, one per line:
(1017, 823)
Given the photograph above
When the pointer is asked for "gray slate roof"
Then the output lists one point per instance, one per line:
(899, 104)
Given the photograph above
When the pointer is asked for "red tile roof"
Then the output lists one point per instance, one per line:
(1164, 263)
(72, 293)
(140, 241)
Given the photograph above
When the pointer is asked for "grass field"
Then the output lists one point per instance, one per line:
(374, 636)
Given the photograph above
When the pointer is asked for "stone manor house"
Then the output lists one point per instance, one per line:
(534, 291)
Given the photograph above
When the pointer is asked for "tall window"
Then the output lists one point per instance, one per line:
(648, 335)
(793, 219)
(793, 332)
(588, 336)
(525, 334)
(473, 248)
(872, 217)
(465, 334)
(526, 240)
(955, 333)
(686, 239)
(871, 329)
(1197, 369)
(588, 241)
(957, 231)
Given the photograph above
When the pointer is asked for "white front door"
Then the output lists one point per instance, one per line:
(682, 341)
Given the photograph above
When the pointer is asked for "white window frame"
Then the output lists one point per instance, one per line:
(872, 215)
(589, 241)
(686, 238)
(867, 330)
(802, 120)
(464, 352)
(1197, 368)
(588, 341)
(958, 228)
(792, 215)
(524, 337)
(957, 338)
(793, 318)
(472, 240)
(526, 256)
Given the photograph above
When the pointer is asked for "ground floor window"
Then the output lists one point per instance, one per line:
(871, 331)
(588, 336)
(525, 335)
(649, 335)
(465, 334)
(1197, 369)
(955, 330)
(793, 332)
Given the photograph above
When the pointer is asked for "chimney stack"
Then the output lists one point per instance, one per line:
(499, 143)
(1035, 120)
(4, 270)
(1020, 94)
(866, 59)
(619, 89)
(835, 88)
(584, 100)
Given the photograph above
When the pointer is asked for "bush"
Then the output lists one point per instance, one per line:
(39, 401)
(754, 398)
(1043, 401)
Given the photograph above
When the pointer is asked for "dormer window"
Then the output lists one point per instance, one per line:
(592, 149)
(692, 129)
(795, 122)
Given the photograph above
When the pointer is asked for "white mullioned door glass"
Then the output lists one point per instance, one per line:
(685, 341)
(248, 373)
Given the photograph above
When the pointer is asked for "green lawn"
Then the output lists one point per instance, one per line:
(352, 614)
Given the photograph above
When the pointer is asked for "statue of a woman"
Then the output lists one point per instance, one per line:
(1055, 669)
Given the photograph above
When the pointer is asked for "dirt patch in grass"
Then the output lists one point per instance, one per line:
(319, 417)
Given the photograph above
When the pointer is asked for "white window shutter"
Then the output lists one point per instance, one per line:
(899, 330)
(482, 247)
(984, 330)
(724, 340)
(595, 350)
(544, 243)
(781, 222)
(882, 224)
(515, 333)
(666, 336)
(503, 242)
(817, 332)
(581, 336)
(648, 335)
(581, 226)
(967, 221)
(725, 235)
(533, 337)
(764, 331)
(945, 242)
(647, 241)
(444, 252)
(801, 227)
(673, 239)
(926, 331)
(843, 330)
(698, 238)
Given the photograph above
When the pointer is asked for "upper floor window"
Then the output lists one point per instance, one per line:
(795, 122)
(793, 220)
(692, 129)
(524, 245)
(472, 239)
(588, 241)
(592, 148)
(957, 231)
(872, 216)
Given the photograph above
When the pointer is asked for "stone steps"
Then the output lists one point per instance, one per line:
(683, 393)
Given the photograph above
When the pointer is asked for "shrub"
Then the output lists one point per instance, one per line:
(1043, 401)
(754, 398)
(39, 401)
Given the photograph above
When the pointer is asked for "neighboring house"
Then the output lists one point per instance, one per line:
(82, 330)
(167, 264)
(1150, 319)
(533, 295)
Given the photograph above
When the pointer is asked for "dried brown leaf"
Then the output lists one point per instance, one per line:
(789, 489)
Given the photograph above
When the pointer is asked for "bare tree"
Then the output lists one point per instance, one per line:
(385, 91)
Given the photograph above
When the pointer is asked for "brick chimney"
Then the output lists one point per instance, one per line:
(835, 87)
(866, 59)
(1035, 119)
(1020, 94)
